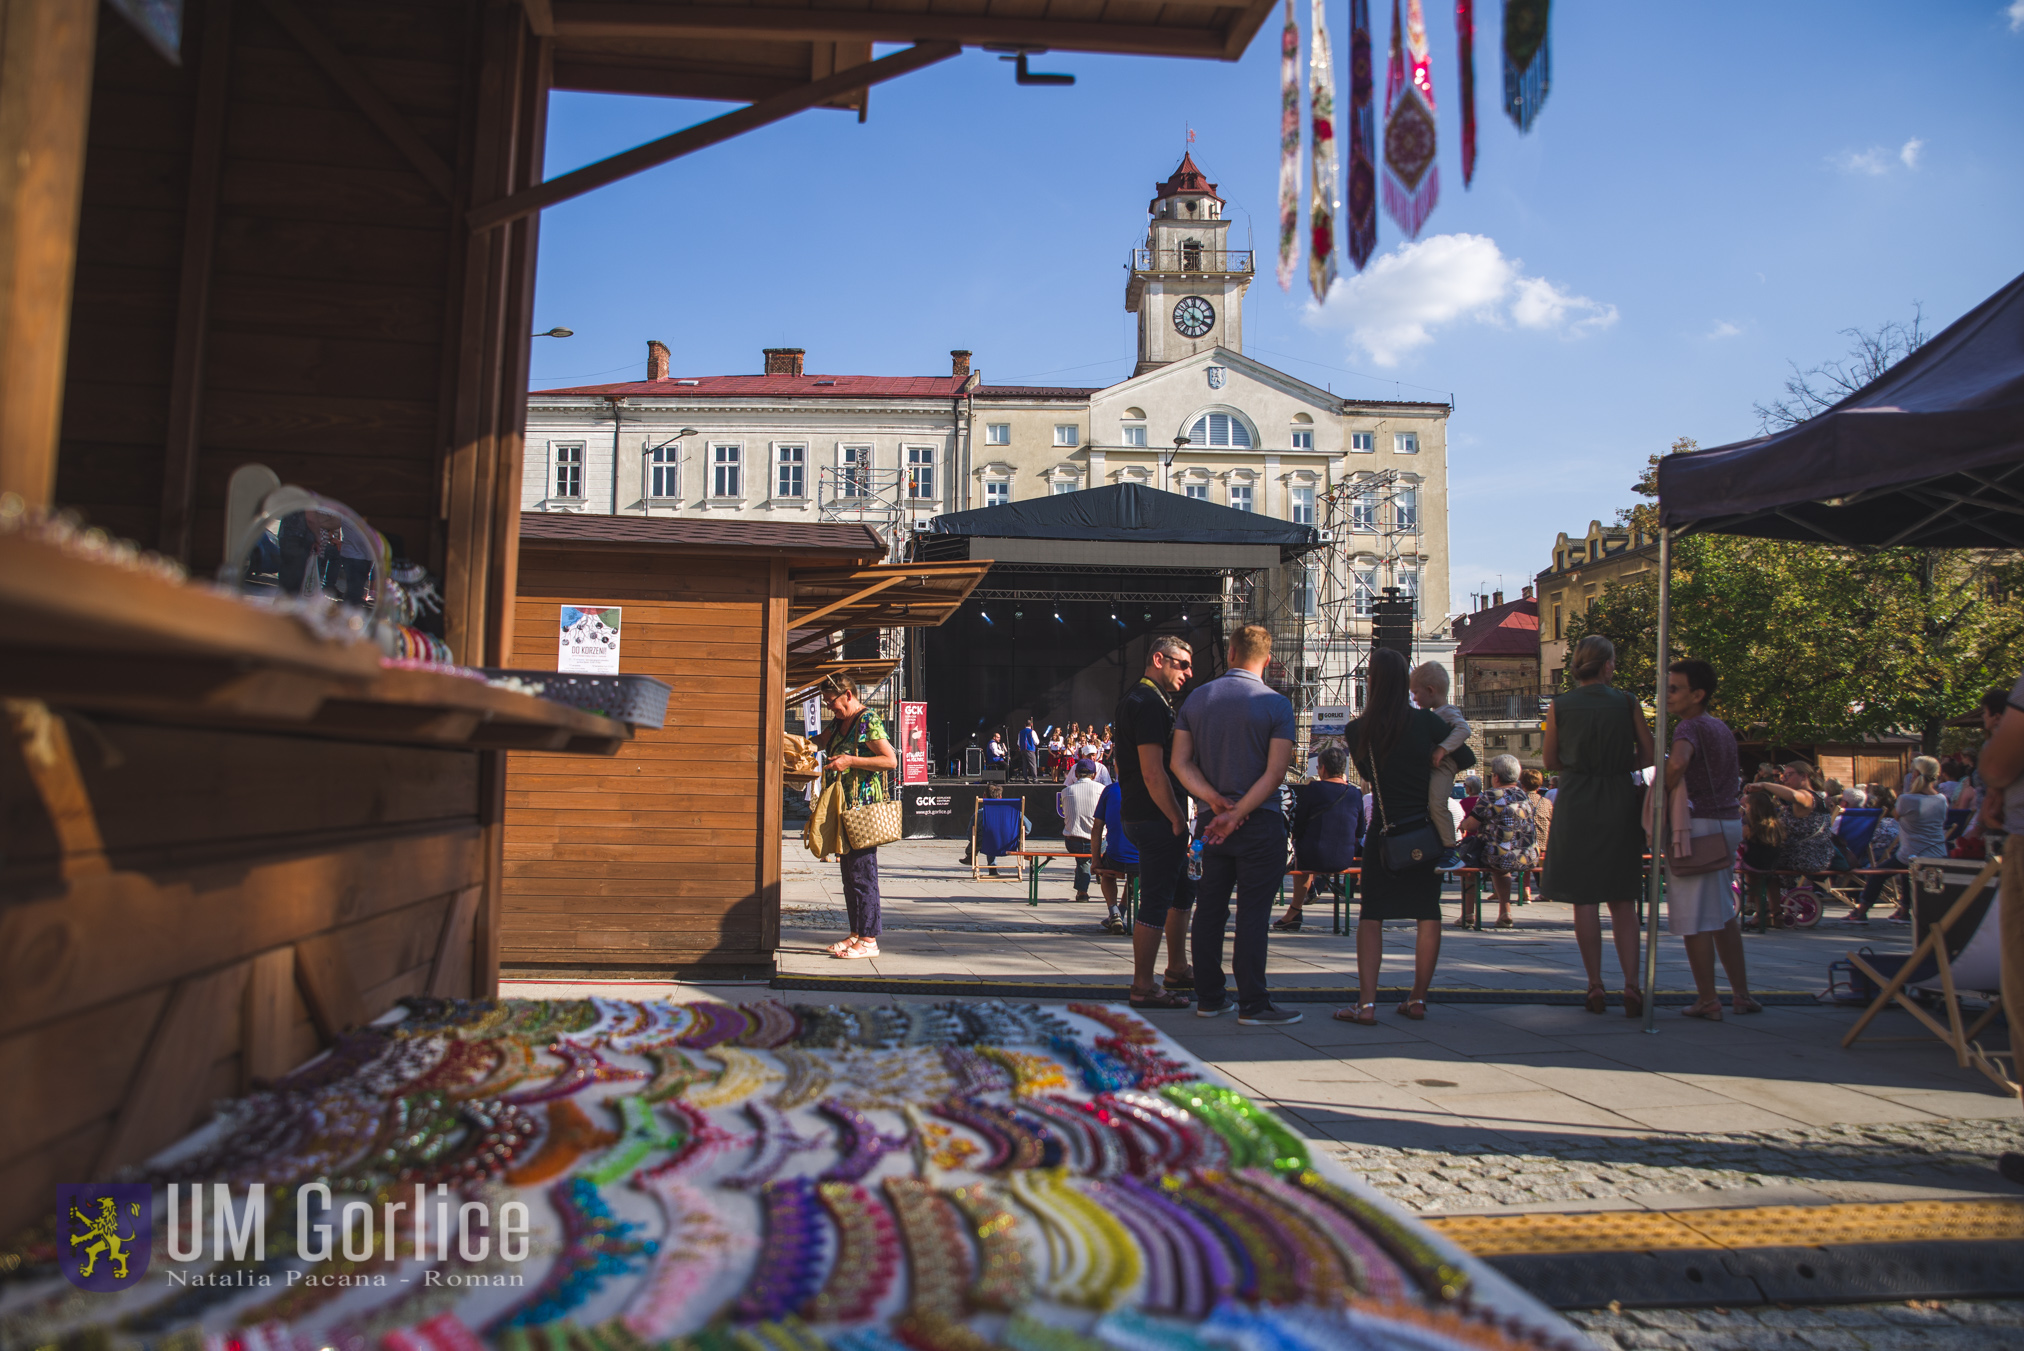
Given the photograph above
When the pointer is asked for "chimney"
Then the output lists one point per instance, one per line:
(959, 362)
(1525, 593)
(1497, 598)
(657, 359)
(784, 360)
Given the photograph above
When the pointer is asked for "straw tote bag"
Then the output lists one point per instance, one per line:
(873, 823)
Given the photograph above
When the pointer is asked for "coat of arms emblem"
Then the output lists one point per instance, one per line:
(1217, 374)
(106, 1233)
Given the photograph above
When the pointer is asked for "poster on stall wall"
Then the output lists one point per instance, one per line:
(811, 716)
(1330, 719)
(913, 743)
(589, 640)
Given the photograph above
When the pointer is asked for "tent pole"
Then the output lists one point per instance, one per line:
(1661, 743)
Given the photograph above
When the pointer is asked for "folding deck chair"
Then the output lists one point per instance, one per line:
(997, 828)
(1954, 917)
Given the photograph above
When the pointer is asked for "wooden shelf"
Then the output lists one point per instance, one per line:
(83, 634)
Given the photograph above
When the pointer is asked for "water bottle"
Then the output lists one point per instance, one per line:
(1195, 860)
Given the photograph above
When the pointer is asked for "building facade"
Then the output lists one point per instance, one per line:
(1197, 417)
(1497, 677)
(1582, 566)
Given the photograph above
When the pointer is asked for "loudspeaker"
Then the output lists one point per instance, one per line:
(973, 761)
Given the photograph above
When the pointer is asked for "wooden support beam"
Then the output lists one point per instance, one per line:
(717, 129)
(323, 974)
(379, 110)
(593, 19)
(802, 621)
(45, 104)
(270, 1009)
(193, 299)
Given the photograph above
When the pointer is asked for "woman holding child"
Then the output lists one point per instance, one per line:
(1596, 740)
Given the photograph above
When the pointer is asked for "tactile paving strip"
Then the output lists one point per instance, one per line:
(1619, 1231)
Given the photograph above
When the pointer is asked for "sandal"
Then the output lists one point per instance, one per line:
(1290, 924)
(859, 949)
(1711, 1012)
(1357, 1013)
(1597, 1001)
(1184, 980)
(836, 949)
(1415, 1009)
(1633, 1003)
(1749, 1006)
(1158, 999)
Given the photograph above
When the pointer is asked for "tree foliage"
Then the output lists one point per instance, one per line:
(1870, 353)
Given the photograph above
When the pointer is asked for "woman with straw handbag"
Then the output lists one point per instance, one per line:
(857, 756)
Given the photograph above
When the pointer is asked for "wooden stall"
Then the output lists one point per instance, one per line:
(301, 233)
(665, 858)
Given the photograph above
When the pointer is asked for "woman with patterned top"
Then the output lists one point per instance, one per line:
(858, 756)
(1504, 820)
(1807, 815)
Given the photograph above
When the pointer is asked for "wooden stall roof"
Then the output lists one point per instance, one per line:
(838, 543)
(748, 52)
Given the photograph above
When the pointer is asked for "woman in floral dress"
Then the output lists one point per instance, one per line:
(1503, 818)
(858, 755)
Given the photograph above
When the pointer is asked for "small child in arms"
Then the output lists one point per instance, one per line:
(1428, 685)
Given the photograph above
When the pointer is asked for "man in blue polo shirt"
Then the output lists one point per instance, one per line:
(1233, 739)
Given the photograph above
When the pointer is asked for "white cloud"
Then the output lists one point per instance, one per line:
(1910, 153)
(1394, 307)
(2016, 13)
(1874, 161)
(1725, 329)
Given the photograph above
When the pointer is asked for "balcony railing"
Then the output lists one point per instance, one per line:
(1185, 259)
(1502, 707)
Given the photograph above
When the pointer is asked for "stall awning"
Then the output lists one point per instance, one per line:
(830, 606)
(1930, 454)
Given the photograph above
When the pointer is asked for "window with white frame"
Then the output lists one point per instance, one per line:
(567, 480)
(1060, 486)
(921, 473)
(1066, 434)
(1406, 508)
(1406, 443)
(1303, 506)
(1219, 429)
(725, 463)
(1240, 496)
(1304, 593)
(1134, 433)
(853, 478)
(791, 472)
(1409, 588)
(997, 491)
(1363, 511)
(1198, 491)
(997, 433)
(1363, 443)
(1364, 579)
(1303, 439)
(663, 468)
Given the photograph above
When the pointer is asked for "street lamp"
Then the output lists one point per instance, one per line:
(1167, 462)
(557, 333)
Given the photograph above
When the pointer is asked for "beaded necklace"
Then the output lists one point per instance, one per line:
(936, 1147)
(860, 1144)
(776, 1141)
(744, 1074)
(515, 1062)
(1031, 1074)
(714, 1025)
(867, 1256)
(582, 1066)
(1437, 1277)
(704, 1138)
(663, 1021)
(1371, 1269)
(773, 1025)
(673, 1074)
(596, 1248)
(938, 1269)
(807, 1077)
(640, 1134)
(790, 1259)
(570, 1136)
(1004, 1279)
(694, 1248)
(495, 1134)
(426, 1299)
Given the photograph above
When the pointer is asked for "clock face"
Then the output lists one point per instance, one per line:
(1194, 316)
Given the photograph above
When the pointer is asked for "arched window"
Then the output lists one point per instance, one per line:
(1220, 429)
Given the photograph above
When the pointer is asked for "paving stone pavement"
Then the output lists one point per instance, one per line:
(1914, 1325)
(1672, 1167)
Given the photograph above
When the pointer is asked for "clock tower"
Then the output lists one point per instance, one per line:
(1186, 285)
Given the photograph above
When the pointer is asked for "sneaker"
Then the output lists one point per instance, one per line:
(1113, 925)
(1212, 1009)
(2011, 1166)
(1269, 1016)
(1855, 919)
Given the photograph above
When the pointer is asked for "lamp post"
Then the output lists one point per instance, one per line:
(1167, 464)
(557, 332)
(646, 464)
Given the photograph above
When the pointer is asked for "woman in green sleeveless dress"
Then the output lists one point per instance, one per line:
(1596, 739)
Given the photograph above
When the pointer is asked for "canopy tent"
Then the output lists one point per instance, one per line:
(1128, 513)
(1930, 454)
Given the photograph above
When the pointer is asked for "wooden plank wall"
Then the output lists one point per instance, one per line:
(668, 854)
(257, 894)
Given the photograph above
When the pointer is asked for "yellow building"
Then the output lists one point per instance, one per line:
(1582, 566)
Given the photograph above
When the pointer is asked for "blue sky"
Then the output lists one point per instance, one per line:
(1711, 190)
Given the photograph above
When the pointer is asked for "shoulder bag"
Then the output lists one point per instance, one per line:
(1411, 843)
(871, 824)
(1710, 853)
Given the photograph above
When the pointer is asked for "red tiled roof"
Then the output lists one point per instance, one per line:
(1507, 630)
(793, 537)
(1188, 178)
(776, 387)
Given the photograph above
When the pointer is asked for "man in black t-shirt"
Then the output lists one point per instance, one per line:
(1154, 811)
